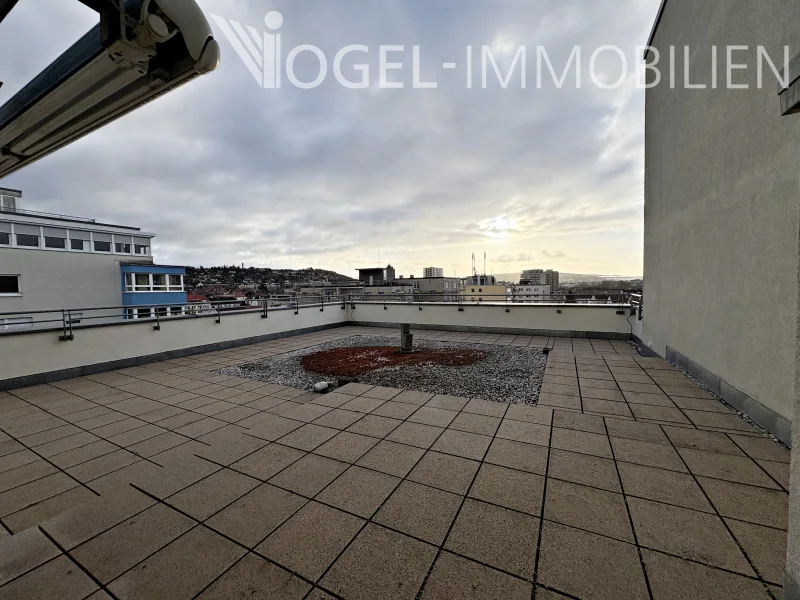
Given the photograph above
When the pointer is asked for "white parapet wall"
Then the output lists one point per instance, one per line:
(577, 320)
(37, 356)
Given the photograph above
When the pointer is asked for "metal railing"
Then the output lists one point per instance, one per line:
(67, 321)
(38, 213)
(637, 305)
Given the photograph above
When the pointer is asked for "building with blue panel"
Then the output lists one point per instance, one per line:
(148, 290)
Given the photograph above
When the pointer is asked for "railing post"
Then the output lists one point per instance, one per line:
(322, 304)
(219, 315)
(64, 337)
(157, 326)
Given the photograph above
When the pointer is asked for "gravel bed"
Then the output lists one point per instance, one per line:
(507, 374)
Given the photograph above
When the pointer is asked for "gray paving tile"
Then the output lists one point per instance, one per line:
(764, 546)
(255, 515)
(347, 447)
(588, 508)
(308, 437)
(58, 579)
(513, 489)
(748, 503)
(311, 540)
(584, 469)
(380, 565)
(518, 455)
(457, 577)
(740, 469)
(359, 491)
(180, 570)
(391, 458)
(415, 434)
(207, 496)
(587, 565)
(581, 441)
(446, 472)
(665, 486)
(112, 553)
(462, 443)
(496, 536)
(375, 426)
(309, 475)
(23, 552)
(682, 532)
(648, 454)
(519, 431)
(420, 511)
(256, 579)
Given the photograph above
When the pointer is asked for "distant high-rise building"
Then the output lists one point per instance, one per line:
(541, 277)
(429, 272)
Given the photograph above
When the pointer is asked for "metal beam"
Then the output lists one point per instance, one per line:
(5, 8)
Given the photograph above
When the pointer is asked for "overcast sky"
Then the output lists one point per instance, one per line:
(225, 172)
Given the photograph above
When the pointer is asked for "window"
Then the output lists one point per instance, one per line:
(27, 236)
(141, 246)
(5, 234)
(176, 311)
(159, 282)
(102, 242)
(9, 285)
(162, 311)
(142, 282)
(122, 248)
(79, 240)
(55, 243)
(176, 283)
(143, 313)
(8, 202)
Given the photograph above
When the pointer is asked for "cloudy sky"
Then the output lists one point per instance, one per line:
(226, 172)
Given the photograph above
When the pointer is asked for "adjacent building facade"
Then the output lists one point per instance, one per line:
(50, 262)
(375, 276)
(722, 190)
(541, 277)
(429, 272)
(527, 292)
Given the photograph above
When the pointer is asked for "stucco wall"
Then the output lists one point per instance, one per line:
(598, 319)
(721, 203)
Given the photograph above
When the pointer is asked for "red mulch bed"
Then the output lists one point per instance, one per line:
(358, 361)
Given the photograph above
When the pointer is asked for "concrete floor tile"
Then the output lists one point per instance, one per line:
(268, 426)
(304, 412)
(588, 508)
(58, 579)
(413, 397)
(395, 410)
(461, 443)
(701, 440)
(579, 422)
(747, 503)
(309, 475)
(606, 407)
(24, 552)
(762, 448)
(701, 537)
(581, 441)
(380, 565)
(437, 417)
(180, 570)
(255, 515)
(764, 546)
(718, 420)
(308, 437)
(256, 579)
(332, 400)
(446, 472)
(665, 486)
(30, 493)
(391, 458)
(25, 474)
(359, 491)
(779, 471)
(649, 454)
(518, 455)
(519, 431)
(112, 553)
(311, 540)
(374, 426)
(415, 434)
(44, 510)
(672, 579)
(659, 413)
(472, 423)
(587, 565)
(559, 401)
(446, 402)
(207, 496)
(267, 461)
(739, 469)
(355, 389)
(530, 414)
(496, 536)
(584, 469)
(382, 393)
(513, 489)
(487, 408)
(420, 511)
(645, 432)
(362, 404)
(347, 447)
(338, 419)
(456, 577)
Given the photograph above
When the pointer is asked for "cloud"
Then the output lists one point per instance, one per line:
(225, 172)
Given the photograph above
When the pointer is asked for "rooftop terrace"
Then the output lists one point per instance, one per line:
(171, 481)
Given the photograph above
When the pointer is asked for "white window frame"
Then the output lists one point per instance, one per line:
(19, 285)
(131, 287)
(14, 243)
